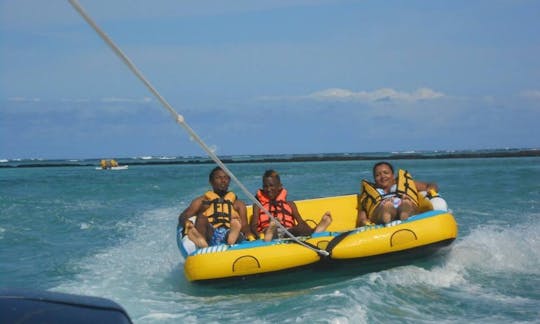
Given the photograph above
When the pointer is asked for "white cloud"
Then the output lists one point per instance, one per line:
(531, 94)
(383, 94)
(75, 100)
(111, 104)
(131, 100)
(78, 100)
(23, 99)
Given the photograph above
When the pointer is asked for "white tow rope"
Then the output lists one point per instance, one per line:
(180, 120)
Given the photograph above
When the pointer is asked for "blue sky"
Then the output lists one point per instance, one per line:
(267, 77)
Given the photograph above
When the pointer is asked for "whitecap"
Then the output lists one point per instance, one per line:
(496, 248)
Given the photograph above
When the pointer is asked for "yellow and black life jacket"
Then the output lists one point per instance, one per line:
(370, 197)
(220, 209)
(279, 208)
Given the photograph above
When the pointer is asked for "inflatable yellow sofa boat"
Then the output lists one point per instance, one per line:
(342, 241)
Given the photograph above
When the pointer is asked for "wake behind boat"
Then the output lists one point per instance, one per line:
(422, 234)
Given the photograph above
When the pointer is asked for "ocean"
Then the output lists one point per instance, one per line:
(111, 234)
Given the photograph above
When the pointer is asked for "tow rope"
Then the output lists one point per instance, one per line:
(180, 120)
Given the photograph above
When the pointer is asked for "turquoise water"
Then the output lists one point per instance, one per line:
(112, 234)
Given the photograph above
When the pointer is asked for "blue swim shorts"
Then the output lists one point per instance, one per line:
(221, 234)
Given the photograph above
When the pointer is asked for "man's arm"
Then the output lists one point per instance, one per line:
(254, 220)
(192, 210)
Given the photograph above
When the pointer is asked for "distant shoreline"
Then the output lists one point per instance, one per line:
(300, 158)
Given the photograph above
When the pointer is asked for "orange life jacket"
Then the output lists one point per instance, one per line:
(279, 208)
(220, 209)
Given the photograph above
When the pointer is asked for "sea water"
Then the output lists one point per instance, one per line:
(111, 234)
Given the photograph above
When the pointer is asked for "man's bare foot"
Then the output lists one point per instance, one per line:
(326, 220)
(234, 232)
(195, 236)
(269, 232)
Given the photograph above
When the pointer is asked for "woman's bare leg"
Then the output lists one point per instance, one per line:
(407, 208)
(384, 213)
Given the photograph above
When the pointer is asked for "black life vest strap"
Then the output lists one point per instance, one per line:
(336, 240)
(220, 218)
(314, 247)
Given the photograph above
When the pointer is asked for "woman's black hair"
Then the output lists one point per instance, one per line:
(382, 163)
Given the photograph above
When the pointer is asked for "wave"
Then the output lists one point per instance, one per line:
(499, 248)
(139, 261)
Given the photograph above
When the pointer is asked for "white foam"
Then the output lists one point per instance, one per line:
(143, 273)
(500, 248)
(130, 272)
(160, 316)
(441, 276)
(490, 249)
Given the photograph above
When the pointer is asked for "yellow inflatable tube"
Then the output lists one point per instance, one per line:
(422, 230)
(342, 241)
(250, 258)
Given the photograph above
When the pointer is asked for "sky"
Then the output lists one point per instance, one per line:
(268, 77)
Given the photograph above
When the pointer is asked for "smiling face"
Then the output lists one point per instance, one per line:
(271, 187)
(384, 177)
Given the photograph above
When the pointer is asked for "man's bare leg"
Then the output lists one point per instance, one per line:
(195, 236)
(326, 220)
(269, 232)
(234, 232)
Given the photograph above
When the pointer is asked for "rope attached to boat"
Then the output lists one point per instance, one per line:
(180, 120)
